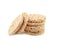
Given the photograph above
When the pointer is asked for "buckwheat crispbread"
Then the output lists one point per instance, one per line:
(35, 24)
(28, 23)
(35, 30)
(36, 18)
(16, 24)
(25, 19)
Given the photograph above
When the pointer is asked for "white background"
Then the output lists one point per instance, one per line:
(10, 9)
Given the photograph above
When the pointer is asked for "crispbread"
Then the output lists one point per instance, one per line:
(36, 18)
(35, 30)
(25, 19)
(39, 33)
(16, 24)
(36, 24)
(30, 24)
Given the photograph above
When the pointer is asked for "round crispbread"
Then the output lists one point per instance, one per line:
(35, 24)
(36, 18)
(16, 24)
(25, 21)
(35, 30)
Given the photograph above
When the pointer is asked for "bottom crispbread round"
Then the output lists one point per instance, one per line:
(35, 30)
(35, 34)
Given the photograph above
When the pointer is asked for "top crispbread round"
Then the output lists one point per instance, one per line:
(25, 20)
(36, 18)
(16, 24)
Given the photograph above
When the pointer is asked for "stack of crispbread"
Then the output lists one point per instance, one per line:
(28, 23)
(35, 24)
